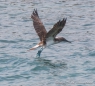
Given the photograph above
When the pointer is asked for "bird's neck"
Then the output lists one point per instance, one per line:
(57, 40)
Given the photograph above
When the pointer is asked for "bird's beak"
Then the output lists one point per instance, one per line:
(67, 41)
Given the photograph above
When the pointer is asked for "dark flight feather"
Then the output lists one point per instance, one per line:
(57, 28)
(38, 25)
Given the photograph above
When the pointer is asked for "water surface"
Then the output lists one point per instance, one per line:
(59, 65)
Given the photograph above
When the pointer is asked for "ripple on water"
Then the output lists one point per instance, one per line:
(92, 53)
(63, 64)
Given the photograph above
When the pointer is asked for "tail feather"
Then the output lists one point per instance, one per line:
(33, 48)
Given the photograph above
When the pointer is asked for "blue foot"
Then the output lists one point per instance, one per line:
(39, 52)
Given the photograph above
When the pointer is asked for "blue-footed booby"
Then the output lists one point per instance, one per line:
(47, 38)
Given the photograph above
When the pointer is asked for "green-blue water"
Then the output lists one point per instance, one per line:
(62, 64)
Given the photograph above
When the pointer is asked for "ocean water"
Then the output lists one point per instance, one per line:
(63, 64)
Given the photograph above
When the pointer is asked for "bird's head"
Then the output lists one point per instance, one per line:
(60, 39)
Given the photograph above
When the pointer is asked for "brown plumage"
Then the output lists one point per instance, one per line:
(57, 28)
(42, 33)
(38, 25)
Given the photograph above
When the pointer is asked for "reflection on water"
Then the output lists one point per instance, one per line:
(50, 63)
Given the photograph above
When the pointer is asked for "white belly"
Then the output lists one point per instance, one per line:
(50, 42)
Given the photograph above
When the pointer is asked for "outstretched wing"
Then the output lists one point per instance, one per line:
(57, 28)
(38, 25)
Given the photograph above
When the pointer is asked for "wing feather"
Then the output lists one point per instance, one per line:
(57, 28)
(38, 25)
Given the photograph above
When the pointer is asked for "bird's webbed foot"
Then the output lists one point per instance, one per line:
(39, 52)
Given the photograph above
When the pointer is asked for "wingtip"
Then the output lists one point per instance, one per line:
(64, 19)
(62, 22)
(34, 13)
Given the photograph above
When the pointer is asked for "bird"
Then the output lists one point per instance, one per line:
(47, 38)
